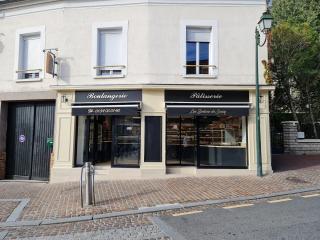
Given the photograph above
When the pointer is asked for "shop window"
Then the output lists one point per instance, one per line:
(29, 54)
(208, 141)
(200, 48)
(110, 50)
(126, 141)
(222, 142)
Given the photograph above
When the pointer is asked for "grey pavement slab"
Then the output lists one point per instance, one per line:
(296, 219)
(21, 223)
(18, 210)
(3, 234)
(66, 220)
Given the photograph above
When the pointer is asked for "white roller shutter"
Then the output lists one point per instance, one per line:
(198, 34)
(110, 51)
(31, 58)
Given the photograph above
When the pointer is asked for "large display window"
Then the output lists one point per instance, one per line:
(222, 142)
(207, 141)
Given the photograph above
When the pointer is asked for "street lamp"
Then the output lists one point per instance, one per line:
(264, 24)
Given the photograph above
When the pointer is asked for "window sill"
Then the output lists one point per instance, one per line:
(29, 80)
(110, 77)
(200, 76)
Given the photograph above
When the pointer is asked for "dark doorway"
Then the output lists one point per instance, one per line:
(181, 141)
(108, 139)
(29, 127)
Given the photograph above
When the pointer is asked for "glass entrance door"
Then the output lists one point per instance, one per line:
(188, 141)
(109, 139)
(94, 139)
(100, 136)
(181, 141)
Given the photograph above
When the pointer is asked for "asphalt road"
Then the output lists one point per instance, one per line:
(298, 218)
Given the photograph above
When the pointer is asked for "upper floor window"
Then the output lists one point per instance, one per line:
(197, 58)
(110, 50)
(200, 49)
(29, 54)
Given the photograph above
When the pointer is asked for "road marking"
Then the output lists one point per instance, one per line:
(238, 206)
(280, 200)
(311, 195)
(185, 213)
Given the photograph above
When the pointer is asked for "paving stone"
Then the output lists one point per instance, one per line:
(55, 201)
(6, 208)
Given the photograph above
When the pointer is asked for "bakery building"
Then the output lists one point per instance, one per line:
(155, 131)
(151, 89)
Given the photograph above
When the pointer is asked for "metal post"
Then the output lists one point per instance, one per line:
(89, 183)
(258, 133)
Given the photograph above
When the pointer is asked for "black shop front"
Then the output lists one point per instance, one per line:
(108, 127)
(207, 129)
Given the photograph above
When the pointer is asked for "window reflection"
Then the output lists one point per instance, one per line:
(181, 141)
(220, 131)
(108, 139)
(208, 141)
(204, 58)
(191, 57)
(126, 143)
(197, 50)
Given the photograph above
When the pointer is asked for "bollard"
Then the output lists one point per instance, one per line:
(89, 183)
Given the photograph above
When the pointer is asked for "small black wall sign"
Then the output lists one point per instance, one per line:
(108, 96)
(219, 112)
(206, 96)
(84, 111)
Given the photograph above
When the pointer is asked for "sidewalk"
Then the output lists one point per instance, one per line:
(51, 201)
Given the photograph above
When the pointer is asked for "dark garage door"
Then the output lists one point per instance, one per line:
(29, 126)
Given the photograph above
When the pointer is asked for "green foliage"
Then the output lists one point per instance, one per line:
(295, 49)
(297, 11)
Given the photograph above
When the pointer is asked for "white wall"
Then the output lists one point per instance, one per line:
(153, 41)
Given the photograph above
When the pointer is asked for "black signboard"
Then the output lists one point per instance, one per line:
(108, 96)
(153, 148)
(105, 110)
(207, 96)
(214, 111)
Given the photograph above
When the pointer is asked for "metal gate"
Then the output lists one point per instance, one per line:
(277, 142)
(29, 127)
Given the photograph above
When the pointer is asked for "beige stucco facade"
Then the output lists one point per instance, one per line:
(154, 105)
(154, 64)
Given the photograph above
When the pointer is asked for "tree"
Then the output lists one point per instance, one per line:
(297, 11)
(295, 48)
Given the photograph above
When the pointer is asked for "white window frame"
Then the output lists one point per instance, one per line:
(20, 34)
(96, 27)
(213, 47)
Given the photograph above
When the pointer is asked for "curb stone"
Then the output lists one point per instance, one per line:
(157, 208)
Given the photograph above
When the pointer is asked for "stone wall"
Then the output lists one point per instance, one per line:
(298, 146)
(2, 165)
